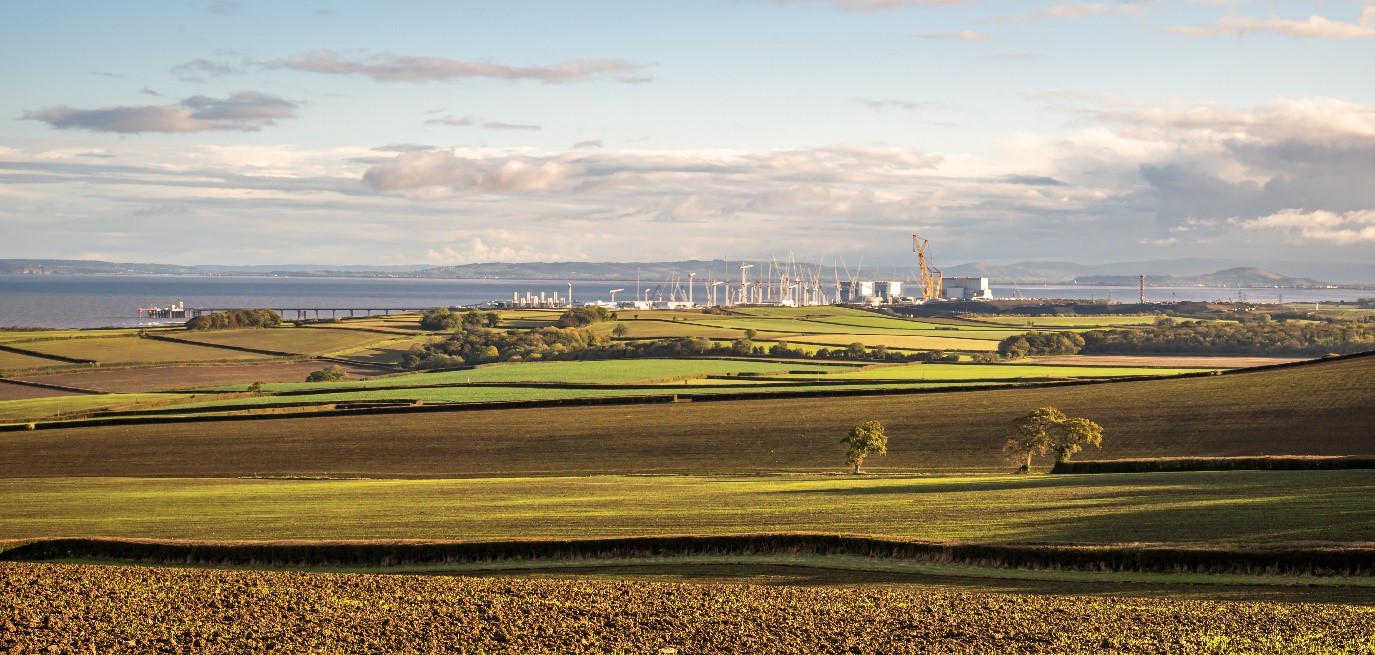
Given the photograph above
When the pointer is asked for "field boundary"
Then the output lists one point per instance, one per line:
(1179, 464)
(1349, 560)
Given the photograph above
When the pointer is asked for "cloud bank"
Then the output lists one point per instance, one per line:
(245, 111)
(387, 67)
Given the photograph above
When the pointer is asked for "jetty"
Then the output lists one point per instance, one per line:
(180, 310)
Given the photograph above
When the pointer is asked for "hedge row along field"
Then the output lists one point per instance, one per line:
(1331, 562)
(74, 608)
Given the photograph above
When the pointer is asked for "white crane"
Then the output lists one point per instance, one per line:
(690, 276)
(613, 295)
(744, 287)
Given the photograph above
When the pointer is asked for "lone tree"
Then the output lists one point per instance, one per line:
(1049, 430)
(865, 438)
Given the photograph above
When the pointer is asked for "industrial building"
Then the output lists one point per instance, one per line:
(966, 288)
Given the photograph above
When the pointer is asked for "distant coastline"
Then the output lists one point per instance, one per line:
(1175, 273)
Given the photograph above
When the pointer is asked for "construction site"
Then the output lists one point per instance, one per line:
(781, 283)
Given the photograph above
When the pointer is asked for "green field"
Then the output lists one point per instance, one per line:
(607, 371)
(299, 341)
(901, 342)
(999, 372)
(37, 408)
(1238, 508)
(1064, 322)
(16, 361)
(124, 350)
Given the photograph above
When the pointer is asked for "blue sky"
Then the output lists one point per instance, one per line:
(401, 133)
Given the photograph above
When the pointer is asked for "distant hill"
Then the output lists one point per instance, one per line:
(1233, 277)
(92, 267)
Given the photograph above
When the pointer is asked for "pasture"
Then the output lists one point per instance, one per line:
(131, 349)
(294, 340)
(163, 378)
(43, 407)
(1251, 508)
(10, 361)
(606, 371)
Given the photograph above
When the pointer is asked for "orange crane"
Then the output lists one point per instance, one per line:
(930, 284)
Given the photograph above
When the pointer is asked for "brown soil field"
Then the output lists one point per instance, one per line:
(10, 391)
(1166, 361)
(76, 608)
(1324, 408)
(163, 378)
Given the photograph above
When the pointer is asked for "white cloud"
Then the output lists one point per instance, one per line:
(1314, 27)
(1342, 228)
(1074, 11)
(962, 35)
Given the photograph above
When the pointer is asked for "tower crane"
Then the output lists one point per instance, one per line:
(930, 283)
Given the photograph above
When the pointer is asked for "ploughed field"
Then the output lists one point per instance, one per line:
(74, 608)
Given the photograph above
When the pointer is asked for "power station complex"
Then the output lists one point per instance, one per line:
(784, 284)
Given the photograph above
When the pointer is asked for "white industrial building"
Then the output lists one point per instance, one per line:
(966, 288)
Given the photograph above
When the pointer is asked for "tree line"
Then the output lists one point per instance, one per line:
(234, 319)
(1170, 337)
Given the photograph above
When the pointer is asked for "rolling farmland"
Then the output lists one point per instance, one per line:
(707, 464)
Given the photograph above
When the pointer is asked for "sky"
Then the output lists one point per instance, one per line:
(242, 132)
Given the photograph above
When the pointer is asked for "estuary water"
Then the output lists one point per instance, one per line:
(113, 300)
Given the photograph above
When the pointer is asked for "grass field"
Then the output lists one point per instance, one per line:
(1236, 508)
(387, 352)
(901, 341)
(17, 361)
(1167, 361)
(1064, 322)
(37, 408)
(594, 371)
(1324, 408)
(121, 350)
(17, 337)
(299, 341)
(161, 378)
(998, 372)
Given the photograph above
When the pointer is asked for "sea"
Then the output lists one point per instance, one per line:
(88, 301)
